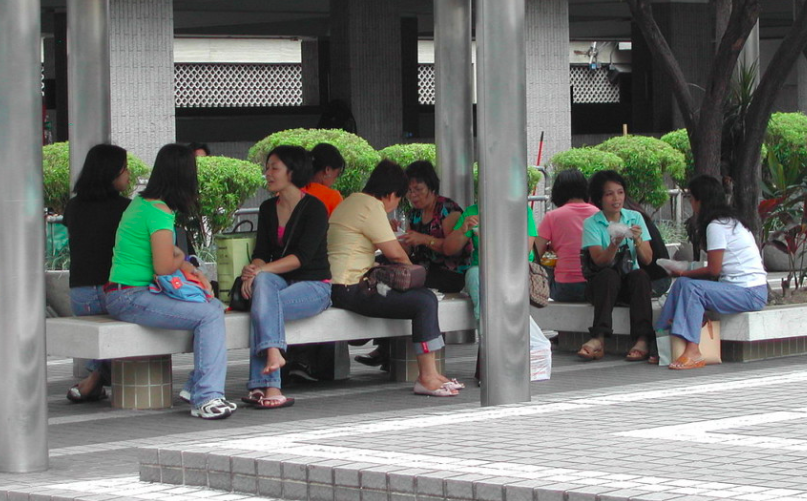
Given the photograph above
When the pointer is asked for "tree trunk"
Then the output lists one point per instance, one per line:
(759, 112)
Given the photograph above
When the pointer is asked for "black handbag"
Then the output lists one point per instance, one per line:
(622, 263)
(237, 300)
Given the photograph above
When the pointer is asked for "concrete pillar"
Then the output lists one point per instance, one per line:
(60, 49)
(548, 94)
(454, 118)
(142, 75)
(310, 52)
(801, 69)
(502, 103)
(410, 113)
(88, 77)
(23, 394)
(366, 66)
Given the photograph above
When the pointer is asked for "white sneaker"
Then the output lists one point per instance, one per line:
(218, 408)
(185, 396)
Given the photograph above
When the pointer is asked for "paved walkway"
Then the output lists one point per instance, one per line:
(606, 430)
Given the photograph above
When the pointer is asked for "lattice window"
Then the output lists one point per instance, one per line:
(592, 86)
(237, 85)
(426, 84)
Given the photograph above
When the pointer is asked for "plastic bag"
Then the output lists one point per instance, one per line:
(540, 354)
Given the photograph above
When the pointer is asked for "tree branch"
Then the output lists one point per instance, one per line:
(643, 16)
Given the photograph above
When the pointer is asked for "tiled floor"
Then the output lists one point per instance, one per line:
(603, 430)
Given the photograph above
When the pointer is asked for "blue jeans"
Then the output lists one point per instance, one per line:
(574, 292)
(275, 300)
(683, 312)
(472, 288)
(139, 306)
(91, 300)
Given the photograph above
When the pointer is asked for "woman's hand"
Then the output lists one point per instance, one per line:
(636, 231)
(203, 279)
(470, 223)
(250, 271)
(414, 238)
(246, 286)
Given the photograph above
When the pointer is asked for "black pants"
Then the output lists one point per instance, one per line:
(419, 305)
(607, 288)
(444, 280)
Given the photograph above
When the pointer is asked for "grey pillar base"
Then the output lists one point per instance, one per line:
(467, 336)
(403, 360)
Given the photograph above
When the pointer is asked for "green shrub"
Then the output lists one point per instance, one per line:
(679, 139)
(405, 154)
(224, 185)
(586, 160)
(56, 174)
(360, 157)
(786, 137)
(647, 160)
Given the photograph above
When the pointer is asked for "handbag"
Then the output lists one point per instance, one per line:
(539, 285)
(237, 300)
(622, 263)
(233, 252)
(181, 285)
(671, 347)
(397, 276)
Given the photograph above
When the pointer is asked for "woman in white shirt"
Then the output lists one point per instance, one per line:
(733, 258)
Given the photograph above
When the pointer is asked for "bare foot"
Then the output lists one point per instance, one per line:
(434, 382)
(88, 384)
(274, 361)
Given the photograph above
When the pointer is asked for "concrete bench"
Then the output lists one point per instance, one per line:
(141, 371)
(776, 331)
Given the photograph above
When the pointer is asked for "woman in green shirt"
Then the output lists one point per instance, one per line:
(145, 247)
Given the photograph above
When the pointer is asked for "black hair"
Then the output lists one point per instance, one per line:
(297, 161)
(709, 192)
(199, 146)
(596, 185)
(423, 171)
(174, 179)
(387, 178)
(102, 165)
(326, 155)
(569, 184)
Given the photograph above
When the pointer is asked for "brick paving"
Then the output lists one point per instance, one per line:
(606, 430)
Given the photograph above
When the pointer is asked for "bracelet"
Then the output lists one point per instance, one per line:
(431, 243)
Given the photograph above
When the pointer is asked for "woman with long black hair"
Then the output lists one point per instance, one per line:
(733, 259)
(92, 218)
(145, 247)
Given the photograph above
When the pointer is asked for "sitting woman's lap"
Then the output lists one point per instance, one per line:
(419, 305)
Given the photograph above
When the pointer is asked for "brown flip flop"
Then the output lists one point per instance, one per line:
(588, 353)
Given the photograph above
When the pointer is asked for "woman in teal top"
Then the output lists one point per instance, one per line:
(144, 247)
(607, 191)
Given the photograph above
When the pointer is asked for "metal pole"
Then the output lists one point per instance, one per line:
(23, 397)
(454, 99)
(502, 101)
(88, 79)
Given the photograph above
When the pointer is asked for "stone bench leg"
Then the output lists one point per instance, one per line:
(403, 360)
(142, 383)
(467, 336)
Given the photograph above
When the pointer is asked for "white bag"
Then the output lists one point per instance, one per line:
(540, 354)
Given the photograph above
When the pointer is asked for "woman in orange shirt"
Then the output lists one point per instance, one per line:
(328, 166)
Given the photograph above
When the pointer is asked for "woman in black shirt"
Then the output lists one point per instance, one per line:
(289, 276)
(92, 218)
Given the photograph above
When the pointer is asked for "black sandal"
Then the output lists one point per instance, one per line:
(97, 393)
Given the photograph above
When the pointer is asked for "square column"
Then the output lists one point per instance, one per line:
(366, 66)
(142, 75)
(548, 94)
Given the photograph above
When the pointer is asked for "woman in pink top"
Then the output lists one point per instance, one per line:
(563, 229)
